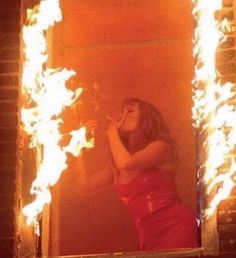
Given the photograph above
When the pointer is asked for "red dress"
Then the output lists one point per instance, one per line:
(162, 221)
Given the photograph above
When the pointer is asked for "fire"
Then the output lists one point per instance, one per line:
(46, 96)
(213, 111)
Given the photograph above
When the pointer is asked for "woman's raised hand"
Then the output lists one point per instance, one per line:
(115, 124)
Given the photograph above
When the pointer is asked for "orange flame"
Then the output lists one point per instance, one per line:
(46, 96)
(212, 111)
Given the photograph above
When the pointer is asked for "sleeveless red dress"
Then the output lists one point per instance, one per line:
(162, 221)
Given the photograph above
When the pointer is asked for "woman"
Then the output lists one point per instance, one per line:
(145, 158)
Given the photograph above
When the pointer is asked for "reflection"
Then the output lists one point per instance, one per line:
(142, 49)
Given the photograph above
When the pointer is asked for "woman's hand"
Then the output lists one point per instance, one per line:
(115, 125)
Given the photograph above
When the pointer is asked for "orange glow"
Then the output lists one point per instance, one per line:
(46, 96)
(212, 112)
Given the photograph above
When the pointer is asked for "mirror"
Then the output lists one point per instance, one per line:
(140, 48)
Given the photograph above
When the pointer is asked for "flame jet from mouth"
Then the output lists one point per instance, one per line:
(45, 97)
(213, 111)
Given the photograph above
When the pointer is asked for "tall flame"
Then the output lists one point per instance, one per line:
(46, 96)
(213, 111)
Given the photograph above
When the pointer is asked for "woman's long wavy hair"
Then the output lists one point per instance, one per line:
(152, 125)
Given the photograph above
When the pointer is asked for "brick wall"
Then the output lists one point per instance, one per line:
(9, 90)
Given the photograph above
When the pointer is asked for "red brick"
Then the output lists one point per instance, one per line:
(6, 244)
(8, 186)
(225, 56)
(228, 204)
(8, 80)
(226, 69)
(227, 231)
(8, 148)
(4, 222)
(8, 174)
(225, 13)
(9, 55)
(224, 255)
(228, 3)
(8, 107)
(225, 79)
(228, 246)
(8, 135)
(11, 4)
(8, 200)
(228, 43)
(10, 40)
(8, 121)
(7, 213)
(7, 15)
(9, 94)
(11, 27)
(9, 67)
(227, 217)
(7, 254)
(8, 161)
(7, 230)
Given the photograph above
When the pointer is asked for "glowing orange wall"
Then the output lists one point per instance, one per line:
(122, 48)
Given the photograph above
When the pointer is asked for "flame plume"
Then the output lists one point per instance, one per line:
(46, 96)
(213, 111)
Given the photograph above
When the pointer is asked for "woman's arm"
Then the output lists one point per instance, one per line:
(156, 154)
(88, 184)
(99, 180)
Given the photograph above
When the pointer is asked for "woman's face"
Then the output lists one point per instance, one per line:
(130, 117)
